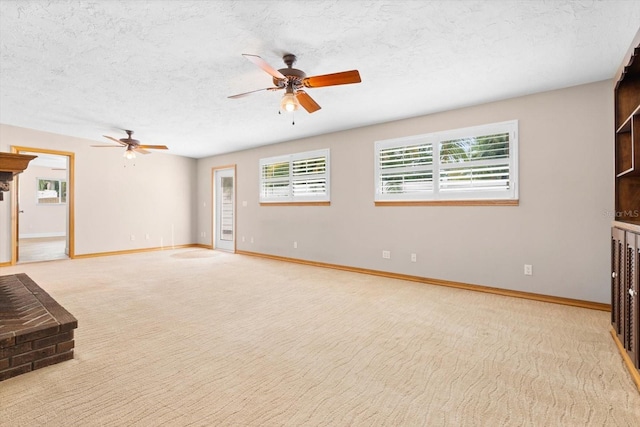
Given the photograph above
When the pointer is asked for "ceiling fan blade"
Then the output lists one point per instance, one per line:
(263, 64)
(137, 149)
(155, 147)
(343, 78)
(116, 140)
(307, 102)
(240, 95)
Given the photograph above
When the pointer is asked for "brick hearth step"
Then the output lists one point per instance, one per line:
(35, 331)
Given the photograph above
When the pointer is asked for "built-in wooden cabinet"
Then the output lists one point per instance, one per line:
(627, 142)
(625, 233)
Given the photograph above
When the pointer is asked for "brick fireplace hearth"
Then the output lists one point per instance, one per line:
(35, 331)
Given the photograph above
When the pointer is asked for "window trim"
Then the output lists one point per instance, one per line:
(437, 198)
(290, 199)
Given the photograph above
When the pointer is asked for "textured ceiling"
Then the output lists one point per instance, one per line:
(165, 68)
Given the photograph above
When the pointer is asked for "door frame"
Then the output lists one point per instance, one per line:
(214, 206)
(70, 200)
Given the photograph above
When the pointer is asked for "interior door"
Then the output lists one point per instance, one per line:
(224, 210)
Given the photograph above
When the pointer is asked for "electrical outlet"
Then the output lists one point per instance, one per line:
(414, 257)
(386, 254)
(251, 239)
(295, 245)
(243, 239)
(133, 237)
(528, 270)
(146, 236)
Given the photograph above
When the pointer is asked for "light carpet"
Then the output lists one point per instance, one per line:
(193, 337)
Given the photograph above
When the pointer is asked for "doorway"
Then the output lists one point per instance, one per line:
(42, 207)
(224, 208)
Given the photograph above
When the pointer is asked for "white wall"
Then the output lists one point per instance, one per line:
(114, 198)
(40, 220)
(561, 226)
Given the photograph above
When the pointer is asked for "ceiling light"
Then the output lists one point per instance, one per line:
(289, 102)
(129, 154)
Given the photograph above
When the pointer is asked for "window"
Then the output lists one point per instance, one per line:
(51, 191)
(302, 177)
(471, 164)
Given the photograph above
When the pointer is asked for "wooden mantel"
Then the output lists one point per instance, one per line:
(10, 165)
(14, 163)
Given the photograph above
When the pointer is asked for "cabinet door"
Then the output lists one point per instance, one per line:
(617, 276)
(632, 305)
(636, 314)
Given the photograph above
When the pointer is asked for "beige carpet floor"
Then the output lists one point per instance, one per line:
(193, 337)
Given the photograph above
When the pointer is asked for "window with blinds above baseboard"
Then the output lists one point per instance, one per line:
(471, 164)
(300, 177)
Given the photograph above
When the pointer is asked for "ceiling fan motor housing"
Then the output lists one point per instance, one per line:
(293, 75)
(129, 140)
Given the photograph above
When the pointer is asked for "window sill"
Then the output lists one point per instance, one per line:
(295, 203)
(449, 203)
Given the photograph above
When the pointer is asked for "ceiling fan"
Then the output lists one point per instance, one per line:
(133, 145)
(294, 81)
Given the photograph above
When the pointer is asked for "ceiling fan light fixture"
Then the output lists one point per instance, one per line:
(129, 154)
(289, 102)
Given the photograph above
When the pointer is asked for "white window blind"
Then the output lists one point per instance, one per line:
(406, 169)
(295, 177)
(464, 164)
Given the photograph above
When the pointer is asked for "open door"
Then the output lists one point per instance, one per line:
(42, 226)
(224, 208)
